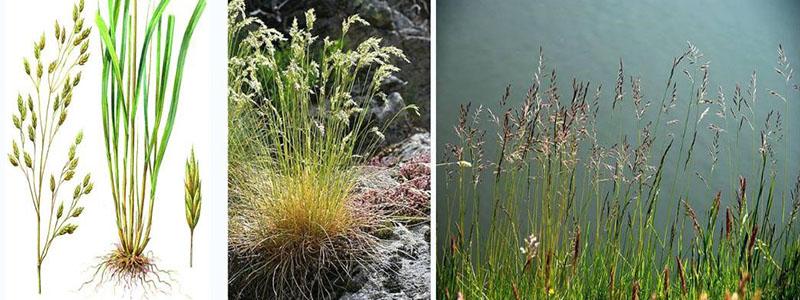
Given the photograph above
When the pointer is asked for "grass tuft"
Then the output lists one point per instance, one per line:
(299, 123)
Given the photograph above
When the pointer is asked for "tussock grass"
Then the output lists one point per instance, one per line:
(298, 123)
(137, 70)
(572, 217)
(38, 120)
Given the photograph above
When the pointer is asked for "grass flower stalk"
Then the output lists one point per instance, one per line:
(40, 116)
(557, 167)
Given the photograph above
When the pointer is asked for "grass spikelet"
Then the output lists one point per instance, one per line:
(192, 199)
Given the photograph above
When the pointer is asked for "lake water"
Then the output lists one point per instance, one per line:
(484, 45)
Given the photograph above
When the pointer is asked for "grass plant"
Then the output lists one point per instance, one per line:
(138, 116)
(571, 217)
(193, 199)
(40, 116)
(298, 124)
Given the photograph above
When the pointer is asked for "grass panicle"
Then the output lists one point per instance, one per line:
(54, 73)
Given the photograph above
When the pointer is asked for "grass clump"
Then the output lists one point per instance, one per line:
(138, 116)
(573, 217)
(298, 123)
(40, 116)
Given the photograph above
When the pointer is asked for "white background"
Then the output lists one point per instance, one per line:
(201, 121)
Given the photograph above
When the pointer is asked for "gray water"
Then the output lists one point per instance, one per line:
(482, 46)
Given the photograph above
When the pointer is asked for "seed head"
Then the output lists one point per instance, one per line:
(76, 193)
(84, 58)
(27, 66)
(77, 212)
(79, 138)
(31, 133)
(62, 117)
(68, 229)
(78, 25)
(88, 188)
(68, 175)
(60, 211)
(58, 30)
(39, 69)
(76, 81)
(84, 46)
(13, 160)
(16, 121)
(51, 68)
(15, 149)
(71, 154)
(73, 164)
(28, 160)
(87, 179)
(67, 100)
(41, 42)
(52, 183)
(20, 104)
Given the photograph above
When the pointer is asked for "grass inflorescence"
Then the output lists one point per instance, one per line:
(573, 217)
(192, 199)
(40, 116)
(138, 116)
(298, 124)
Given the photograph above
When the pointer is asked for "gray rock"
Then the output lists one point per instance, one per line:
(392, 84)
(406, 274)
(378, 14)
(384, 110)
(419, 143)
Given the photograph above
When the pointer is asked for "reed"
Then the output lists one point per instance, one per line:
(298, 124)
(553, 170)
(40, 116)
(139, 110)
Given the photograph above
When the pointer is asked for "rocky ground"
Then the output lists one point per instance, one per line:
(399, 176)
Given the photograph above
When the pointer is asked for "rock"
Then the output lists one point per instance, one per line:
(383, 110)
(406, 272)
(389, 113)
(378, 14)
(417, 144)
(392, 84)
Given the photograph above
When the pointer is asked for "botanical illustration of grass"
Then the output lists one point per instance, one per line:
(572, 218)
(295, 133)
(138, 116)
(41, 114)
(192, 199)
